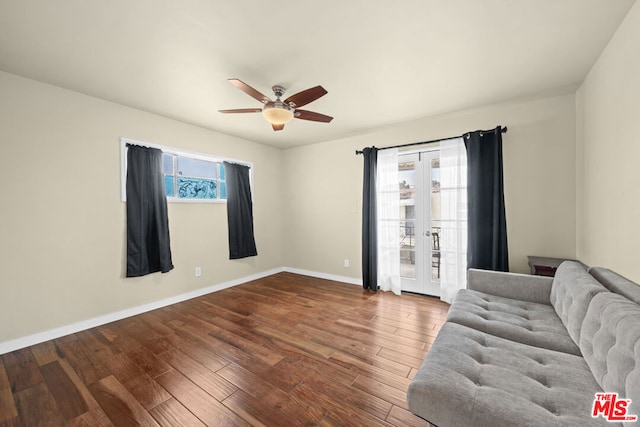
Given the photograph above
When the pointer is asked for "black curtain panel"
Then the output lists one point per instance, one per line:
(242, 243)
(148, 246)
(487, 226)
(369, 221)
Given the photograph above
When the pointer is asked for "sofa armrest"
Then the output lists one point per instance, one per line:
(522, 287)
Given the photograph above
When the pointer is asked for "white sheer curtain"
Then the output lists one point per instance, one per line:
(388, 198)
(453, 199)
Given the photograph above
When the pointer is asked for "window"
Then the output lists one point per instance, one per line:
(191, 178)
(188, 176)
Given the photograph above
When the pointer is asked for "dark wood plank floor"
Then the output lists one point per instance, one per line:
(286, 350)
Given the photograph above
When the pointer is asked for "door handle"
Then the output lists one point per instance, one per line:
(427, 233)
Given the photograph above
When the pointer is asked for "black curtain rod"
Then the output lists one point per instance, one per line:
(504, 130)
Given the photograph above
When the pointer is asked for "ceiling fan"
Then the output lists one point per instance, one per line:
(280, 112)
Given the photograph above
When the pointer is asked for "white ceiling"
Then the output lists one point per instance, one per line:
(382, 62)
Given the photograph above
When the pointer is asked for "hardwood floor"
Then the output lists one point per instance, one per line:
(286, 350)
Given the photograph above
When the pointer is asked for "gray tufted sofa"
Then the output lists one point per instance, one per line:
(519, 350)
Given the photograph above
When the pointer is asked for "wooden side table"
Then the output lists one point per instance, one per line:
(546, 266)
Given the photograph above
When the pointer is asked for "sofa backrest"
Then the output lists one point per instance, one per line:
(616, 283)
(571, 292)
(610, 344)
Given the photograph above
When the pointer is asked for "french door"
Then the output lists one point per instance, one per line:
(420, 225)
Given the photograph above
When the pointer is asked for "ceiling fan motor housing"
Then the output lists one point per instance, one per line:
(278, 90)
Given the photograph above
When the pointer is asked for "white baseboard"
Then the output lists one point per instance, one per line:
(326, 276)
(18, 343)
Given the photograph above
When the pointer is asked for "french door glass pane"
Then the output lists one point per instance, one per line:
(436, 227)
(407, 249)
(407, 177)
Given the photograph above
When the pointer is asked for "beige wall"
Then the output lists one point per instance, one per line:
(62, 222)
(324, 184)
(608, 106)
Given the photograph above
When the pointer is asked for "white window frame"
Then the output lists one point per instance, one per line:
(177, 152)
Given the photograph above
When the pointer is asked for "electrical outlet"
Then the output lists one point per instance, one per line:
(346, 262)
(198, 272)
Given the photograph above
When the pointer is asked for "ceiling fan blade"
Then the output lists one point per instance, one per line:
(310, 115)
(277, 127)
(241, 110)
(306, 96)
(249, 90)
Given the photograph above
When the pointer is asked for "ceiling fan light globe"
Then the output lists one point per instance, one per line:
(277, 113)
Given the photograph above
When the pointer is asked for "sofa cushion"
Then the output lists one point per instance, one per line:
(571, 292)
(523, 287)
(616, 283)
(521, 321)
(610, 344)
(470, 378)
